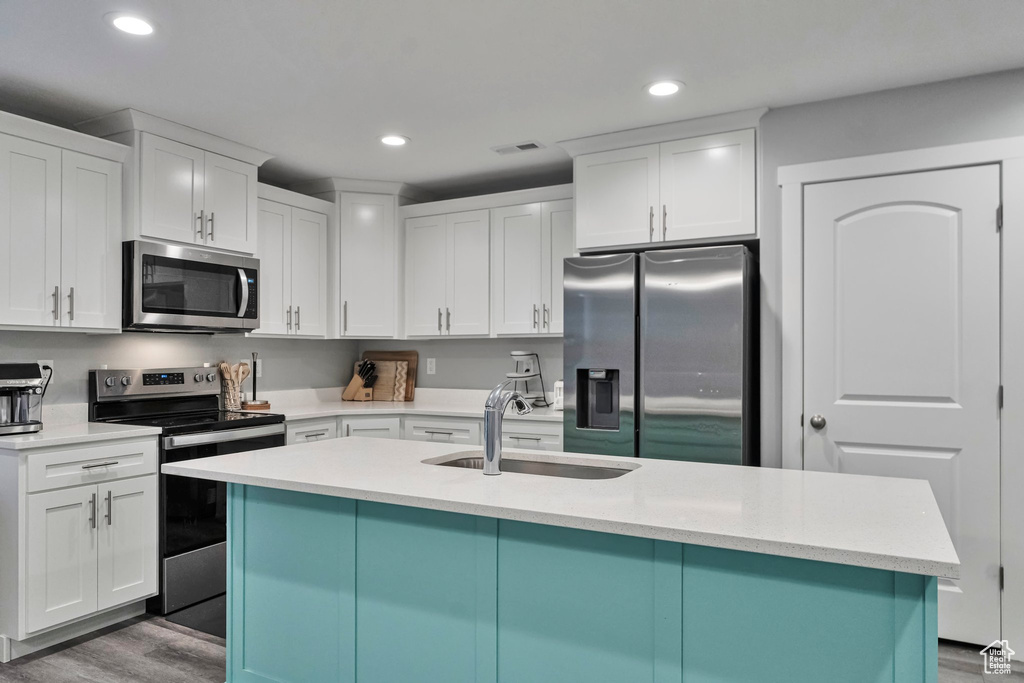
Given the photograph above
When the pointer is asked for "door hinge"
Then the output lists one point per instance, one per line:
(999, 218)
(1000, 397)
(1002, 577)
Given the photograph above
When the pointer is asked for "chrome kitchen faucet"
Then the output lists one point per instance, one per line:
(494, 408)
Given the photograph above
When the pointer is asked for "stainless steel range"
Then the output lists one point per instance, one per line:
(185, 404)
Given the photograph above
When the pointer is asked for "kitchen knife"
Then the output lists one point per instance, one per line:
(370, 382)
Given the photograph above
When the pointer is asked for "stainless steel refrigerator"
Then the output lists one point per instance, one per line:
(660, 355)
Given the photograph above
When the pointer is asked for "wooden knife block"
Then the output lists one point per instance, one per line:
(355, 391)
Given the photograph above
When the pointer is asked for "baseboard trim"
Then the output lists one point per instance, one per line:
(12, 649)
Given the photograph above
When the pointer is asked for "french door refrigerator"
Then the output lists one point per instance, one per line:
(660, 354)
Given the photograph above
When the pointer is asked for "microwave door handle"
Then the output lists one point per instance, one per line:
(244, 302)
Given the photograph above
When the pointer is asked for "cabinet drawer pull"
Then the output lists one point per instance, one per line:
(524, 438)
(298, 321)
(314, 435)
(547, 317)
(201, 219)
(100, 464)
(650, 222)
(448, 320)
(344, 317)
(535, 318)
(664, 222)
(71, 305)
(429, 431)
(210, 221)
(92, 511)
(288, 322)
(110, 507)
(56, 300)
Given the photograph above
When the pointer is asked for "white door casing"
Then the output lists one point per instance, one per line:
(901, 350)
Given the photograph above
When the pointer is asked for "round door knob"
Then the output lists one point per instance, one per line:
(199, 377)
(109, 381)
(210, 377)
(818, 422)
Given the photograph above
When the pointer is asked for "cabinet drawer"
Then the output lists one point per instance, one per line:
(91, 464)
(376, 427)
(541, 436)
(312, 430)
(443, 431)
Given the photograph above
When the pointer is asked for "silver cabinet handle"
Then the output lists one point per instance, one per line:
(429, 431)
(818, 421)
(535, 318)
(439, 321)
(71, 305)
(288, 323)
(210, 221)
(56, 302)
(650, 222)
(547, 318)
(344, 317)
(100, 464)
(448, 320)
(315, 435)
(110, 508)
(201, 218)
(524, 438)
(92, 511)
(348, 430)
(298, 321)
(664, 222)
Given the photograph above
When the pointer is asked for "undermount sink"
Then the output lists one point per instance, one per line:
(475, 461)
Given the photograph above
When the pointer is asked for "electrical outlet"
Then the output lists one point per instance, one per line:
(431, 366)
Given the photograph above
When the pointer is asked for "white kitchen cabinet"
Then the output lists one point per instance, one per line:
(60, 217)
(304, 431)
(368, 265)
(447, 275)
(292, 248)
(197, 197)
(696, 189)
(442, 430)
(528, 245)
(127, 545)
(375, 427)
(535, 435)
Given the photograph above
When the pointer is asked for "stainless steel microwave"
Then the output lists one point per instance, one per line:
(185, 289)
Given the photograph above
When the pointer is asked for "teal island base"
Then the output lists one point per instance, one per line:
(332, 589)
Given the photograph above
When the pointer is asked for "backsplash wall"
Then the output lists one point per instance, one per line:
(287, 363)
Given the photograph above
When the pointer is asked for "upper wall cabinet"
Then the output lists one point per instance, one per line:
(60, 227)
(528, 245)
(368, 265)
(697, 189)
(183, 185)
(447, 275)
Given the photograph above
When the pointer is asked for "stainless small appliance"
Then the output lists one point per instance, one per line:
(660, 355)
(184, 403)
(22, 386)
(184, 289)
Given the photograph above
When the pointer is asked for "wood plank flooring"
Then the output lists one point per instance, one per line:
(152, 650)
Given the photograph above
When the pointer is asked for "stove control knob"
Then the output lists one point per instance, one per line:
(109, 381)
(126, 381)
(199, 377)
(210, 377)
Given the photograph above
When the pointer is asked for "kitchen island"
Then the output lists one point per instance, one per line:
(354, 559)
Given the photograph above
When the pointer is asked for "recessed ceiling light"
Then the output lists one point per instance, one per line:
(394, 140)
(130, 24)
(663, 88)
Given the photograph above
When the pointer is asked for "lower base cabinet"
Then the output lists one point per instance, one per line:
(303, 431)
(374, 427)
(442, 430)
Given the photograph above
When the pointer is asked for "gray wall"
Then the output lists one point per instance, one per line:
(474, 363)
(963, 110)
(287, 364)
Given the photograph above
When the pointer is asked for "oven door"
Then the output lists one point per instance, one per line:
(168, 287)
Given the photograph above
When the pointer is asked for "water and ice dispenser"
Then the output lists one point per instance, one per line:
(597, 398)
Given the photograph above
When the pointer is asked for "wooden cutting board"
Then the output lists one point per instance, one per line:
(412, 357)
(391, 380)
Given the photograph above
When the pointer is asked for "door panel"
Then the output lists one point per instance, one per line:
(273, 249)
(556, 239)
(230, 203)
(367, 238)
(90, 241)
(127, 548)
(616, 196)
(29, 232)
(468, 294)
(901, 342)
(426, 254)
(172, 190)
(517, 277)
(309, 272)
(60, 582)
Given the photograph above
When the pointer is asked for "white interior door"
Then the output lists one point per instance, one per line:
(230, 203)
(127, 545)
(273, 248)
(556, 240)
(901, 343)
(516, 268)
(61, 564)
(616, 196)
(29, 232)
(468, 294)
(91, 241)
(426, 275)
(366, 236)
(309, 272)
(171, 190)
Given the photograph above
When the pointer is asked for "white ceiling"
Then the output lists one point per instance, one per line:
(316, 82)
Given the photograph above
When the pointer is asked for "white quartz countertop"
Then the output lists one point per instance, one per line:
(884, 523)
(309, 404)
(74, 434)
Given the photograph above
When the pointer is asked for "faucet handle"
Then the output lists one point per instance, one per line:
(520, 405)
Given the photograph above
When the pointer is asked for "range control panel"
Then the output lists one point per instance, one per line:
(109, 385)
(162, 378)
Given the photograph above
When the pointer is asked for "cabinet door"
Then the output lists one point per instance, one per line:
(171, 190)
(29, 232)
(556, 242)
(707, 187)
(230, 203)
(309, 272)
(273, 248)
(468, 294)
(368, 265)
(616, 196)
(305, 431)
(541, 436)
(516, 269)
(426, 268)
(90, 242)
(127, 547)
(374, 427)
(60, 581)
(443, 431)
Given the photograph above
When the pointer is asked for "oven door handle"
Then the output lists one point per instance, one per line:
(244, 301)
(186, 440)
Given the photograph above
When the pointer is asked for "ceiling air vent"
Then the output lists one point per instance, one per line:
(518, 147)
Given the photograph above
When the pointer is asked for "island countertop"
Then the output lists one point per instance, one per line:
(878, 522)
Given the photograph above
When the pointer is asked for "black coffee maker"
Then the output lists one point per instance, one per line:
(22, 386)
